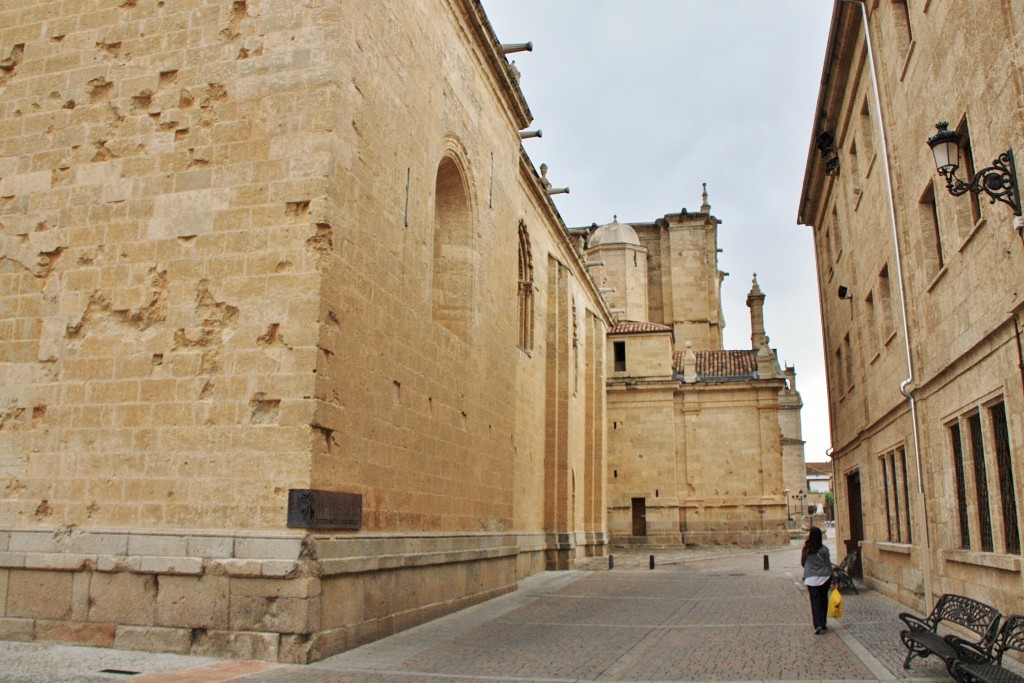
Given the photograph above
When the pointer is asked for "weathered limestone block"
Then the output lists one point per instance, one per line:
(280, 615)
(153, 639)
(158, 545)
(79, 633)
(192, 602)
(25, 589)
(122, 598)
(17, 629)
(307, 587)
(242, 644)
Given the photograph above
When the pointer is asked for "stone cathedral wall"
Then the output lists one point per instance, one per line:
(254, 246)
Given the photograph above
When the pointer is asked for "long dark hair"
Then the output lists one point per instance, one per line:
(813, 543)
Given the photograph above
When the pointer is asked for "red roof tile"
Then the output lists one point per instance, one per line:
(721, 366)
(819, 468)
(633, 327)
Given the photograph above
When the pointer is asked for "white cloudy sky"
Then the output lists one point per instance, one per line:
(641, 101)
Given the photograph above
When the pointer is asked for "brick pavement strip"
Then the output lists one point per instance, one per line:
(710, 615)
(218, 672)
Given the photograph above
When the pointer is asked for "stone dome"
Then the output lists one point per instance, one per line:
(613, 233)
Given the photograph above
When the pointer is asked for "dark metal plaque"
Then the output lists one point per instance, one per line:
(315, 509)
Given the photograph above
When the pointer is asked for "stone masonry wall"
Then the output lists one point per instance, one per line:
(160, 261)
(225, 233)
(952, 269)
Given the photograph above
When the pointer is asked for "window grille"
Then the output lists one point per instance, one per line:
(906, 493)
(980, 482)
(1004, 465)
(895, 499)
(888, 505)
(961, 485)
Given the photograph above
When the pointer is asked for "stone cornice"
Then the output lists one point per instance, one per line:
(473, 14)
(831, 91)
(531, 179)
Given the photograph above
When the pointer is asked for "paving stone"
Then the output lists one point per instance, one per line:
(699, 616)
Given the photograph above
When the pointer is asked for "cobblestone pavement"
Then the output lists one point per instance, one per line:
(700, 615)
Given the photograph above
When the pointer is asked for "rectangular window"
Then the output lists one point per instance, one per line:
(837, 233)
(980, 481)
(866, 134)
(931, 236)
(854, 168)
(872, 326)
(885, 302)
(829, 250)
(897, 495)
(961, 485)
(1004, 466)
(906, 492)
(901, 23)
(848, 361)
(838, 374)
(895, 498)
(888, 505)
(969, 210)
(619, 348)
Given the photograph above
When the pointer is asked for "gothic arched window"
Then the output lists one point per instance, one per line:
(525, 290)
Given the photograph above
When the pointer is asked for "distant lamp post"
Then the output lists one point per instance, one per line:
(998, 181)
(789, 517)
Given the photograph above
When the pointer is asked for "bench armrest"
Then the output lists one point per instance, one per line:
(969, 652)
(916, 623)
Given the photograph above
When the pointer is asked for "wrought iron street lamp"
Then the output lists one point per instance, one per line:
(998, 181)
(826, 145)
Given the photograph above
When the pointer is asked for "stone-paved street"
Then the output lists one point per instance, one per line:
(700, 615)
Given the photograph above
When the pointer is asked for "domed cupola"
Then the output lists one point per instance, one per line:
(620, 269)
(613, 233)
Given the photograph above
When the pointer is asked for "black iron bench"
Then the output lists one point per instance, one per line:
(973, 664)
(842, 574)
(922, 638)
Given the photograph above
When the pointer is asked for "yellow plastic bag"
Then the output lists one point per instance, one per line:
(835, 604)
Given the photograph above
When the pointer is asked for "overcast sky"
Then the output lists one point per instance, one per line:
(641, 101)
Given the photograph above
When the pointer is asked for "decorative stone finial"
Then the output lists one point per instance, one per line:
(705, 207)
(513, 71)
(755, 289)
(544, 176)
(689, 364)
(767, 365)
(755, 301)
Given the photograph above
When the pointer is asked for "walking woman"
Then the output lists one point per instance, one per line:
(814, 558)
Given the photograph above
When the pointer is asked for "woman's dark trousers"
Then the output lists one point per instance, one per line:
(819, 603)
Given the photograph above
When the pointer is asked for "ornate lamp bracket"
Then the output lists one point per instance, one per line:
(998, 181)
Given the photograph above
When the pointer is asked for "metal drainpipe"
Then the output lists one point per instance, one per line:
(922, 511)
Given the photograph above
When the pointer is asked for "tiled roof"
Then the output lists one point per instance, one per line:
(633, 327)
(819, 468)
(721, 366)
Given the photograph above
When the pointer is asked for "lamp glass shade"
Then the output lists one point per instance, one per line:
(945, 146)
(947, 156)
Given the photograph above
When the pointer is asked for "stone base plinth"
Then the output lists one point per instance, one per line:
(285, 597)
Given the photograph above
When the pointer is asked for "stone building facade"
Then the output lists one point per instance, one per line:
(703, 442)
(922, 295)
(251, 248)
